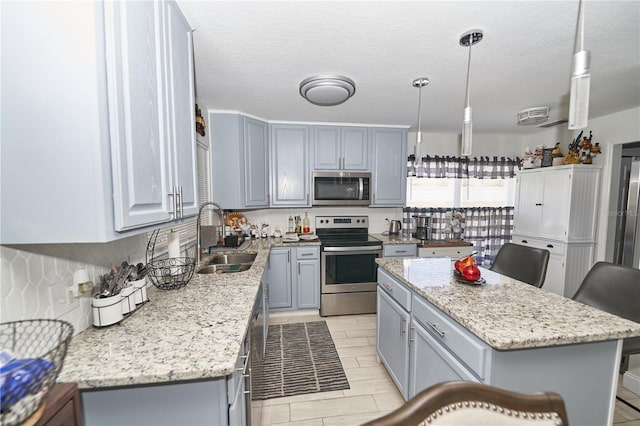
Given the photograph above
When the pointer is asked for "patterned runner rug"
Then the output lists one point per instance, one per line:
(300, 358)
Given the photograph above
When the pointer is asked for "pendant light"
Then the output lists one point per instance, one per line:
(580, 79)
(468, 39)
(419, 82)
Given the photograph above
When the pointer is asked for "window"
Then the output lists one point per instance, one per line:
(455, 192)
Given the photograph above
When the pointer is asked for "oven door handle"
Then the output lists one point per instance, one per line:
(352, 248)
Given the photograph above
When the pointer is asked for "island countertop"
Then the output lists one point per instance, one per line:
(191, 333)
(510, 315)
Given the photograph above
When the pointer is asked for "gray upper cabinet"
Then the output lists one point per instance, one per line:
(152, 125)
(239, 161)
(114, 131)
(389, 169)
(340, 148)
(290, 175)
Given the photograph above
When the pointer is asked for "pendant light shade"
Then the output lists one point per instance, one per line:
(419, 83)
(468, 39)
(580, 79)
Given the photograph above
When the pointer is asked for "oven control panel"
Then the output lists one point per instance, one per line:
(342, 222)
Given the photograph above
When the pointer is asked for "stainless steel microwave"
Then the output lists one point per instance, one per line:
(341, 189)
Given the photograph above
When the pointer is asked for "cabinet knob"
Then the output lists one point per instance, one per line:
(550, 245)
(524, 241)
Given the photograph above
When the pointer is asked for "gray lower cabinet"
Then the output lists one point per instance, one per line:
(294, 278)
(392, 342)
(389, 166)
(399, 250)
(290, 175)
(280, 287)
(308, 277)
(239, 161)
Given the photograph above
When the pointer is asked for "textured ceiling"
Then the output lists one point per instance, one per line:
(251, 57)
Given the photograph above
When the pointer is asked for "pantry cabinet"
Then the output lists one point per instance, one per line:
(556, 209)
(389, 166)
(239, 161)
(340, 148)
(104, 148)
(290, 176)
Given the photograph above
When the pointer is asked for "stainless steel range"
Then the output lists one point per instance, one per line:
(348, 270)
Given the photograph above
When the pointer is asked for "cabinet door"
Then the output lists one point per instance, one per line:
(256, 163)
(355, 148)
(554, 216)
(389, 168)
(554, 280)
(181, 108)
(527, 210)
(290, 165)
(280, 278)
(431, 363)
(308, 283)
(139, 150)
(326, 148)
(392, 341)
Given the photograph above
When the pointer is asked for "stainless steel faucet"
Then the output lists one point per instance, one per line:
(220, 213)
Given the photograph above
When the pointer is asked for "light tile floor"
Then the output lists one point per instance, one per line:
(372, 394)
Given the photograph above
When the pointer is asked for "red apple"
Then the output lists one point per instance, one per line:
(471, 273)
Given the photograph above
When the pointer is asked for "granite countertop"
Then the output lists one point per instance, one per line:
(512, 315)
(191, 333)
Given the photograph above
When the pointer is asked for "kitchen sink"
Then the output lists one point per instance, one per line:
(228, 263)
(228, 259)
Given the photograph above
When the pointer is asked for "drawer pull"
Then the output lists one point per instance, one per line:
(550, 245)
(401, 326)
(401, 251)
(524, 241)
(388, 287)
(435, 328)
(538, 204)
(411, 339)
(306, 254)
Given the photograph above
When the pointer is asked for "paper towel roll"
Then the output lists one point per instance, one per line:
(174, 244)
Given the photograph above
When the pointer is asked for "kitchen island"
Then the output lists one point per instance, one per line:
(170, 359)
(505, 333)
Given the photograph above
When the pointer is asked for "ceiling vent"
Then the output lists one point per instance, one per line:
(554, 123)
(531, 116)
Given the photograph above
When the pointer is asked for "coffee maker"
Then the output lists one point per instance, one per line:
(423, 228)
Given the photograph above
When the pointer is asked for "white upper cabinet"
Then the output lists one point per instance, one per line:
(389, 168)
(239, 161)
(340, 148)
(101, 123)
(558, 203)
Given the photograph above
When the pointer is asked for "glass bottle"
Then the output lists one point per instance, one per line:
(306, 227)
(298, 226)
(290, 228)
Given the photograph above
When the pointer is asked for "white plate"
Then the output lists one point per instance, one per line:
(308, 237)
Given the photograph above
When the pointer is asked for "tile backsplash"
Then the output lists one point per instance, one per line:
(35, 278)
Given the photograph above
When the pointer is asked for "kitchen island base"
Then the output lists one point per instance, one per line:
(191, 403)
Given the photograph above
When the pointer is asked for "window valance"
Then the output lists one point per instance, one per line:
(462, 167)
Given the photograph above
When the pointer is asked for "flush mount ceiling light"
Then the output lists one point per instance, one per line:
(468, 39)
(327, 89)
(531, 116)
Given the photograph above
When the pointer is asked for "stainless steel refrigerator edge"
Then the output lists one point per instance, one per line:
(627, 247)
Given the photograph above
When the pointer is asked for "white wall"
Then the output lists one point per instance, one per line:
(484, 144)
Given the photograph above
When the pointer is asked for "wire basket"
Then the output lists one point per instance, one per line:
(168, 273)
(33, 352)
(171, 273)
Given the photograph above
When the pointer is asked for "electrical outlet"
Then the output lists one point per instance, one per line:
(61, 298)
